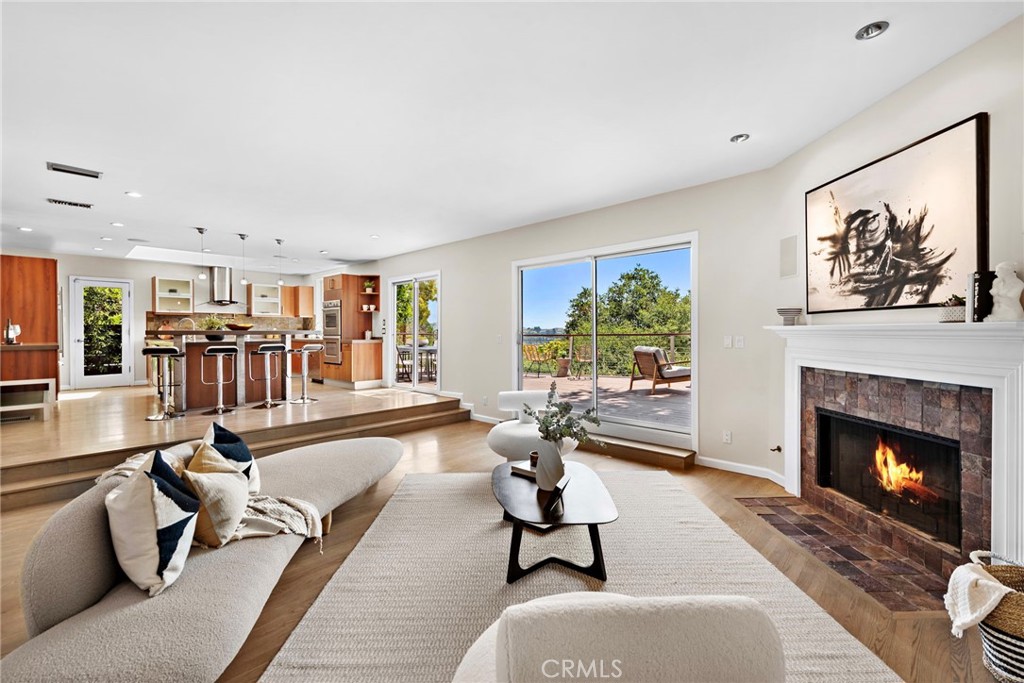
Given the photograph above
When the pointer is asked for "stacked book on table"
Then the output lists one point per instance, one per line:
(522, 469)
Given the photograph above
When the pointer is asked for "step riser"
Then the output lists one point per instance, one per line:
(65, 490)
(28, 472)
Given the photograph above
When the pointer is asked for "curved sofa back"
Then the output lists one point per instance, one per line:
(70, 564)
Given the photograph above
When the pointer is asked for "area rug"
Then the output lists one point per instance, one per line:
(429, 576)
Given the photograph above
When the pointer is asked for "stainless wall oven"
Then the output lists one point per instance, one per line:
(332, 332)
(332, 318)
(332, 350)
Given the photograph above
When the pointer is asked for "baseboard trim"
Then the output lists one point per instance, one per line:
(740, 468)
(483, 418)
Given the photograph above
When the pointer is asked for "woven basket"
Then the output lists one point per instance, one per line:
(1002, 631)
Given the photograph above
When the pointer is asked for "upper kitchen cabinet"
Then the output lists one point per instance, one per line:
(332, 288)
(28, 298)
(172, 295)
(297, 302)
(264, 299)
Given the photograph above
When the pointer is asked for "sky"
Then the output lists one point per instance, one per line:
(547, 290)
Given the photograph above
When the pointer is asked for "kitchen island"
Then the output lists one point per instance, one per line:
(193, 393)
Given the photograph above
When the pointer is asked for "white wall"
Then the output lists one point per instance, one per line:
(141, 274)
(740, 221)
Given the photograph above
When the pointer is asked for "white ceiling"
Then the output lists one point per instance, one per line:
(422, 123)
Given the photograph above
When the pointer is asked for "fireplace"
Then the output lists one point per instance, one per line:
(906, 475)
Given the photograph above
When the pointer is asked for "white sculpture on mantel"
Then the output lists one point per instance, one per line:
(1006, 292)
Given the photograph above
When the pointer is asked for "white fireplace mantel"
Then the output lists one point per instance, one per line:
(987, 355)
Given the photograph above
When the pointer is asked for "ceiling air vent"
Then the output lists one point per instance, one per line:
(73, 170)
(64, 202)
(137, 239)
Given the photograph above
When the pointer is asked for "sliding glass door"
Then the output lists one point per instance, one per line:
(417, 332)
(613, 331)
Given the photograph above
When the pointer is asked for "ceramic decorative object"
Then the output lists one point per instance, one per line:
(1006, 295)
(556, 423)
(789, 315)
(952, 314)
(550, 467)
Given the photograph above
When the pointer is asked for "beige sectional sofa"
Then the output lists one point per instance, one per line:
(88, 622)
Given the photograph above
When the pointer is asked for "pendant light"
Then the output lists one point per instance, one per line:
(244, 280)
(280, 280)
(202, 254)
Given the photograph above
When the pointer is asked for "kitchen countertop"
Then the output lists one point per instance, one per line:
(231, 333)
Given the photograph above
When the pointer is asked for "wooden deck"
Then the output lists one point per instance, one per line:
(669, 407)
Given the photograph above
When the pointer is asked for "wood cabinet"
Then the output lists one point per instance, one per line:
(361, 361)
(332, 288)
(263, 300)
(297, 302)
(356, 316)
(173, 295)
(28, 296)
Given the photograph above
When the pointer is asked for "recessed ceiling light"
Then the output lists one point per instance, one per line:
(25, 229)
(133, 194)
(872, 30)
(323, 251)
(295, 260)
(741, 137)
(97, 248)
(118, 225)
(374, 237)
(207, 250)
(106, 239)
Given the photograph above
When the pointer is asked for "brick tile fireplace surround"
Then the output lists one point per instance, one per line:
(960, 381)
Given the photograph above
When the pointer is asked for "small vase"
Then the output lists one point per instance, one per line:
(549, 465)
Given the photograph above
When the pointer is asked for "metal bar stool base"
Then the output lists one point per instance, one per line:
(266, 405)
(307, 399)
(160, 417)
(219, 411)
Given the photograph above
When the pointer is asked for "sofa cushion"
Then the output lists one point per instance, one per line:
(152, 519)
(190, 632)
(232, 447)
(222, 491)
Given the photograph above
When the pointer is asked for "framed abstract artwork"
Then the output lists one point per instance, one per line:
(906, 230)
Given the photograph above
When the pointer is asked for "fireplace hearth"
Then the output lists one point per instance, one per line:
(906, 475)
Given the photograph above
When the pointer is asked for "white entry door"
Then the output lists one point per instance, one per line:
(101, 334)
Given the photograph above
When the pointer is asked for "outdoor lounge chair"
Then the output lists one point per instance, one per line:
(533, 358)
(649, 363)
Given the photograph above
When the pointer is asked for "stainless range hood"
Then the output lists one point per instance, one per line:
(220, 286)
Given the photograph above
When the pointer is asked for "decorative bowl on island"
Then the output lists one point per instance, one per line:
(239, 326)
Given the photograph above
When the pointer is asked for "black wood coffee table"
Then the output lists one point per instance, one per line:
(584, 501)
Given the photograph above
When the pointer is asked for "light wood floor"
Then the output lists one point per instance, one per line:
(97, 420)
(916, 644)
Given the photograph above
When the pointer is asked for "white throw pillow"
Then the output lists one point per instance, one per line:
(232, 447)
(152, 519)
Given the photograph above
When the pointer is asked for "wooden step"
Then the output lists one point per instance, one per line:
(50, 482)
(665, 457)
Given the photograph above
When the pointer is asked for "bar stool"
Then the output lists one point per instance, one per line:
(304, 354)
(164, 353)
(268, 350)
(218, 352)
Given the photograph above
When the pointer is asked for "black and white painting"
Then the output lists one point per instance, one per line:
(905, 230)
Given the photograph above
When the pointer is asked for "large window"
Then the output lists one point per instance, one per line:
(607, 329)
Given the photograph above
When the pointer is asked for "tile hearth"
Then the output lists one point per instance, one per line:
(898, 583)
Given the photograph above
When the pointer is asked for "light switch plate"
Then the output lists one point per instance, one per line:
(727, 341)
(740, 342)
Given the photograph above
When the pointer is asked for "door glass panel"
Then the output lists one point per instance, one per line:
(643, 300)
(428, 334)
(417, 333)
(103, 331)
(405, 325)
(556, 325)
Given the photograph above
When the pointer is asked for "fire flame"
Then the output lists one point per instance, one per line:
(899, 477)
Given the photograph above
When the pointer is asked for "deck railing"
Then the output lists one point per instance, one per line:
(614, 351)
